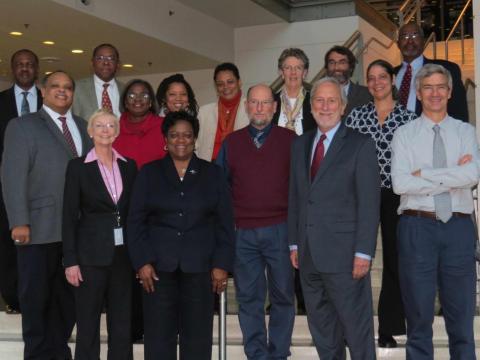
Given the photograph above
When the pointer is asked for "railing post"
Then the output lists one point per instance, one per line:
(462, 38)
(222, 327)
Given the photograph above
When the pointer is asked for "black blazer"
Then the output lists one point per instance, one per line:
(181, 224)
(457, 105)
(89, 213)
(308, 122)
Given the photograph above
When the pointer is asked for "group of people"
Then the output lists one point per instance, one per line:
(141, 204)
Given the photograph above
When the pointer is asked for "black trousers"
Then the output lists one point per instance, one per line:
(181, 306)
(8, 262)
(109, 285)
(46, 299)
(391, 316)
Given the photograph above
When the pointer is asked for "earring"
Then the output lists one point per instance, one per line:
(165, 148)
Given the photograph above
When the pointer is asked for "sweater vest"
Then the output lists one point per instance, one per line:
(259, 177)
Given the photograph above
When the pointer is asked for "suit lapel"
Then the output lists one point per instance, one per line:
(12, 104)
(39, 99)
(308, 152)
(337, 144)
(98, 183)
(92, 94)
(86, 141)
(122, 165)
(56, 132)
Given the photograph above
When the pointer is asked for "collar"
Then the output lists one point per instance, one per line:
(330, 133)
(429, 123)
(92, 156)
(416, 63)
(346, 88)
(254, 131)
(100, 82)
(18, 90)
(54, 115)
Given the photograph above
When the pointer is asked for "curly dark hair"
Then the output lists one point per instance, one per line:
(192, 107)
(173, 117)
(342, 50)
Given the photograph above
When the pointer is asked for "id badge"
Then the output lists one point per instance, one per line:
(118, 236)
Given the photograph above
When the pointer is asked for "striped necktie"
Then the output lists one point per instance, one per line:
(68, 135)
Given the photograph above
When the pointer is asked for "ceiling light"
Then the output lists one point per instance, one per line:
(77, 51)
(48, 42)
(48, 72)
(16, 33)
(127, 65)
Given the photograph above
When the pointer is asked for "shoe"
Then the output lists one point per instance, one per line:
(11, 310)
(386, 341)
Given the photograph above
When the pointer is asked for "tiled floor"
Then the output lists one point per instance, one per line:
(11, 345)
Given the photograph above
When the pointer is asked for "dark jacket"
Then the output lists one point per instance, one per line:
(308, 122)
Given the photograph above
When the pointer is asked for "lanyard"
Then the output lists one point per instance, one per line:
(111, 192)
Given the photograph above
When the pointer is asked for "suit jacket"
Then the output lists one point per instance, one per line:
(208, 117)
(181, 224)
(308, 122)
(457, 105)
(89, 212)
(85, 99)
(33, 174)
(338, 213)
(357, 95)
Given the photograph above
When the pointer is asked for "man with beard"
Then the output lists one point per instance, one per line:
(21, 99)
(411, 42)
(100, 90)
(340, 64)
(256, 160)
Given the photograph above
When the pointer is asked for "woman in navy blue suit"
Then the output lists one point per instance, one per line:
(180, 239)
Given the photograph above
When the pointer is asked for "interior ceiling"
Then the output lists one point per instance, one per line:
(70, 29)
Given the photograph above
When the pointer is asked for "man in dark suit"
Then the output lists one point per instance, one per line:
(411, 42)
(22, 98)
(333, 216)
(340, 64)
(37, 149)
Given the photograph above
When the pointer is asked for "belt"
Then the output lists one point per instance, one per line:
(431, 214)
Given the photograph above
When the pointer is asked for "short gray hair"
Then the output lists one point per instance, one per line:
(101, 113)
(428, 70)
(332, 80)
(296, 53)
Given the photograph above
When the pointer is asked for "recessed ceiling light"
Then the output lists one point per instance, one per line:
(47, 72)
(48, 42)
(77, 51)
(16, 33)
(127, 65)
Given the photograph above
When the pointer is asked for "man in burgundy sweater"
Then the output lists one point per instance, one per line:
(257, 162)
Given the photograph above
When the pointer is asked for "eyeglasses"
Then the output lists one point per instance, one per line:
(105, 58)
(142, 97)
(257, 102)
(409, 36)
(342, 62)
(289, 68)
(439, 87)
(104, 126)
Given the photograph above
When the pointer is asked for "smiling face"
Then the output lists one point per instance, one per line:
(434, 93)
(58, 92)
(338, 67)
(180, 140)
(293, 72)
(410, 42)
(260, 106)
(24, 70)
(138, 101)
(327, 106)
(103, 130)
(176, 97)
(227, 85)
(379, 82)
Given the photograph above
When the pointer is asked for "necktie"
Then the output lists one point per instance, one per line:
(256, 139)
(405, 86)
(443, 201)
(68, 135)
(318, 157)
(25, 109)
(106, 103)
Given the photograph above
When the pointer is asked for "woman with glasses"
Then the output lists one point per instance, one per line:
(140, 127)
(293, 100)
(96, 200)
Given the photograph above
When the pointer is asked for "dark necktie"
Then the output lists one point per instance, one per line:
(68, 135)
(256, 139)
(405, 86)
(106, 103)
(25, 109)
(318, 157)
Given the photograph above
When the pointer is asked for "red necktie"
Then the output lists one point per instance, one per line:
(318, 157)
(68, 135)
(106, 103)
(405, 86)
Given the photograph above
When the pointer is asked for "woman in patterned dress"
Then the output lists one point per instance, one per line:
(380, 118)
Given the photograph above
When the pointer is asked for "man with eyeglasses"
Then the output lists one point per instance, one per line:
(435, 164)
(411, 44)
(20, 99)
(101, 90)
(340, 64)
(256, 160)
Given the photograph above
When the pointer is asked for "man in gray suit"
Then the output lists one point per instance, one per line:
(37, 149)
(340, 64)
(100, 90)
(333, 215)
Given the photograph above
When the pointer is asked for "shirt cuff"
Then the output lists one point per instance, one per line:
(363, 256)
(293, 247)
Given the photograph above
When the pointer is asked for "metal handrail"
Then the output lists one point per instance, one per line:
(469, 83)
(408, 10)
(454, 27)
(433, 39)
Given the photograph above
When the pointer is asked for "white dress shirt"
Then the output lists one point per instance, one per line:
(31, 98)
(416, 65)
(412, 148)
(113, 93)
(72, 126)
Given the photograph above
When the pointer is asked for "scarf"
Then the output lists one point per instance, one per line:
(290, 113)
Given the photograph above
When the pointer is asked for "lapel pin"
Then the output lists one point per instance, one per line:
(193, 172)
